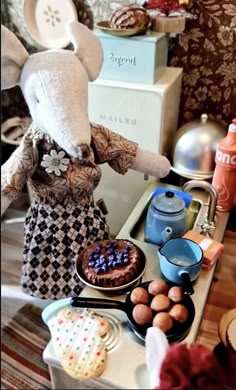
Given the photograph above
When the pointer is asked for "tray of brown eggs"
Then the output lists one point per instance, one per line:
(157, 303)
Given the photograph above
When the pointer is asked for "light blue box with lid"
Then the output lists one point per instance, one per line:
(138, 59)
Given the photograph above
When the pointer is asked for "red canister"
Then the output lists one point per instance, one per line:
(224, 178)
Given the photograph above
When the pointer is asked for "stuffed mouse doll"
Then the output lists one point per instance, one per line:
(59, 157)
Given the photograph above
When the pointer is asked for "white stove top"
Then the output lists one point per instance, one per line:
(126, 366)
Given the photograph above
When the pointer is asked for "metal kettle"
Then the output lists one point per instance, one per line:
(166, 218)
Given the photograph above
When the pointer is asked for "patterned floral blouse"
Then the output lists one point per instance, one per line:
(56, 177)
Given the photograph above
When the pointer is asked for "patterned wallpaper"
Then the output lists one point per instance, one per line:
(102, 9)
(206, 51)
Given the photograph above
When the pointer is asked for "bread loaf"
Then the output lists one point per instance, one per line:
(129, 16)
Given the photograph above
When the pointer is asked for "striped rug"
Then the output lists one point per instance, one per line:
(23, 341)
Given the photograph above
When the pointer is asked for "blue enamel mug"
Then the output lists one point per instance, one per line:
(181, 262)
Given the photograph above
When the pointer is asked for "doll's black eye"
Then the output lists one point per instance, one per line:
(37, 100)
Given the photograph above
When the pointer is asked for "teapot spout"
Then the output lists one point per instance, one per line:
(166, 234)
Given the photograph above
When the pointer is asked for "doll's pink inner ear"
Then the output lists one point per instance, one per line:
(87, 48)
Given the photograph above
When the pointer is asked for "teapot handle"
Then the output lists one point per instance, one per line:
(186, 283)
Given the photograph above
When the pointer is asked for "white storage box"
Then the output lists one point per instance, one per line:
(137, 59)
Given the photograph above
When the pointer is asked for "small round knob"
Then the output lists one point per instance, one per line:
(169, 194)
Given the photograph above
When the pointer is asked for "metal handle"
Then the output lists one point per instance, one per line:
(97, 303)
(186, 282)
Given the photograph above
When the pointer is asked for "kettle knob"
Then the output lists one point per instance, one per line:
(169, 194)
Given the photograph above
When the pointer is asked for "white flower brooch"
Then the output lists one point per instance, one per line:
(55, 162)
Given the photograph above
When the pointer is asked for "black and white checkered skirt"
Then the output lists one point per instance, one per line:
(54, 236)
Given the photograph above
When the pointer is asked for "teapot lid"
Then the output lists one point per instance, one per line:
(168, 203)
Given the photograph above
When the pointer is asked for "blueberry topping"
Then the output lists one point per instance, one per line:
(112, 259)
(97, 249)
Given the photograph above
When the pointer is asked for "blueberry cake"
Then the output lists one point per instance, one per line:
(110, 263)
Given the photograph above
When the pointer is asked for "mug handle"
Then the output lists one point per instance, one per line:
(186, 283)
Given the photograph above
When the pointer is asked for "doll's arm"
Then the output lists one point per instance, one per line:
(123, 154)
(15, 171)
(151, 163)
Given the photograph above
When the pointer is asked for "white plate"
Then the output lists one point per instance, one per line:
(46, 21)
(121, 32)
(193, 176)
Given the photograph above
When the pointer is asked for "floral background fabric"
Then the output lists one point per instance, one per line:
(206, 51)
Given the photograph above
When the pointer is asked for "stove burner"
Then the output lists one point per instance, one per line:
(112, 338)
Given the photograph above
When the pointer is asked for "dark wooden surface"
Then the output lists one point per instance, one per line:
(222, 296)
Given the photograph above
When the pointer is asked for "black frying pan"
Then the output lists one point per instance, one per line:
(177, 333)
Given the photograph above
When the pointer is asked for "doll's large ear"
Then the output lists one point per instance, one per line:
(13, 57)
(87, 48)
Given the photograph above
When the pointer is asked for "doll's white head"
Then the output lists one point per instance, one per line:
(55, 84)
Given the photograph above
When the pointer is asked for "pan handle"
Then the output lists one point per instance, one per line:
(186, 282)
(97, 303)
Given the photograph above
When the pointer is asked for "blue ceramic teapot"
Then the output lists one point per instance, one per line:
(166, 218)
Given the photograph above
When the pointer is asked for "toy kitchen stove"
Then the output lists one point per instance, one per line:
(126, 365)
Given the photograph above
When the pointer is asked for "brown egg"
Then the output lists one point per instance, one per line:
(139, 295)
(176, 294)
(179, 313)
(160, 303)
(163, 321)
(142, 314)
(158, 286)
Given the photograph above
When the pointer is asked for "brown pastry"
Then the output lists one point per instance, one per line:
(163, 321)
(142, 314)
(176, 294)
(179, 313)
(139, 295)
(160, 303)
(158, 286)
(129, 16)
